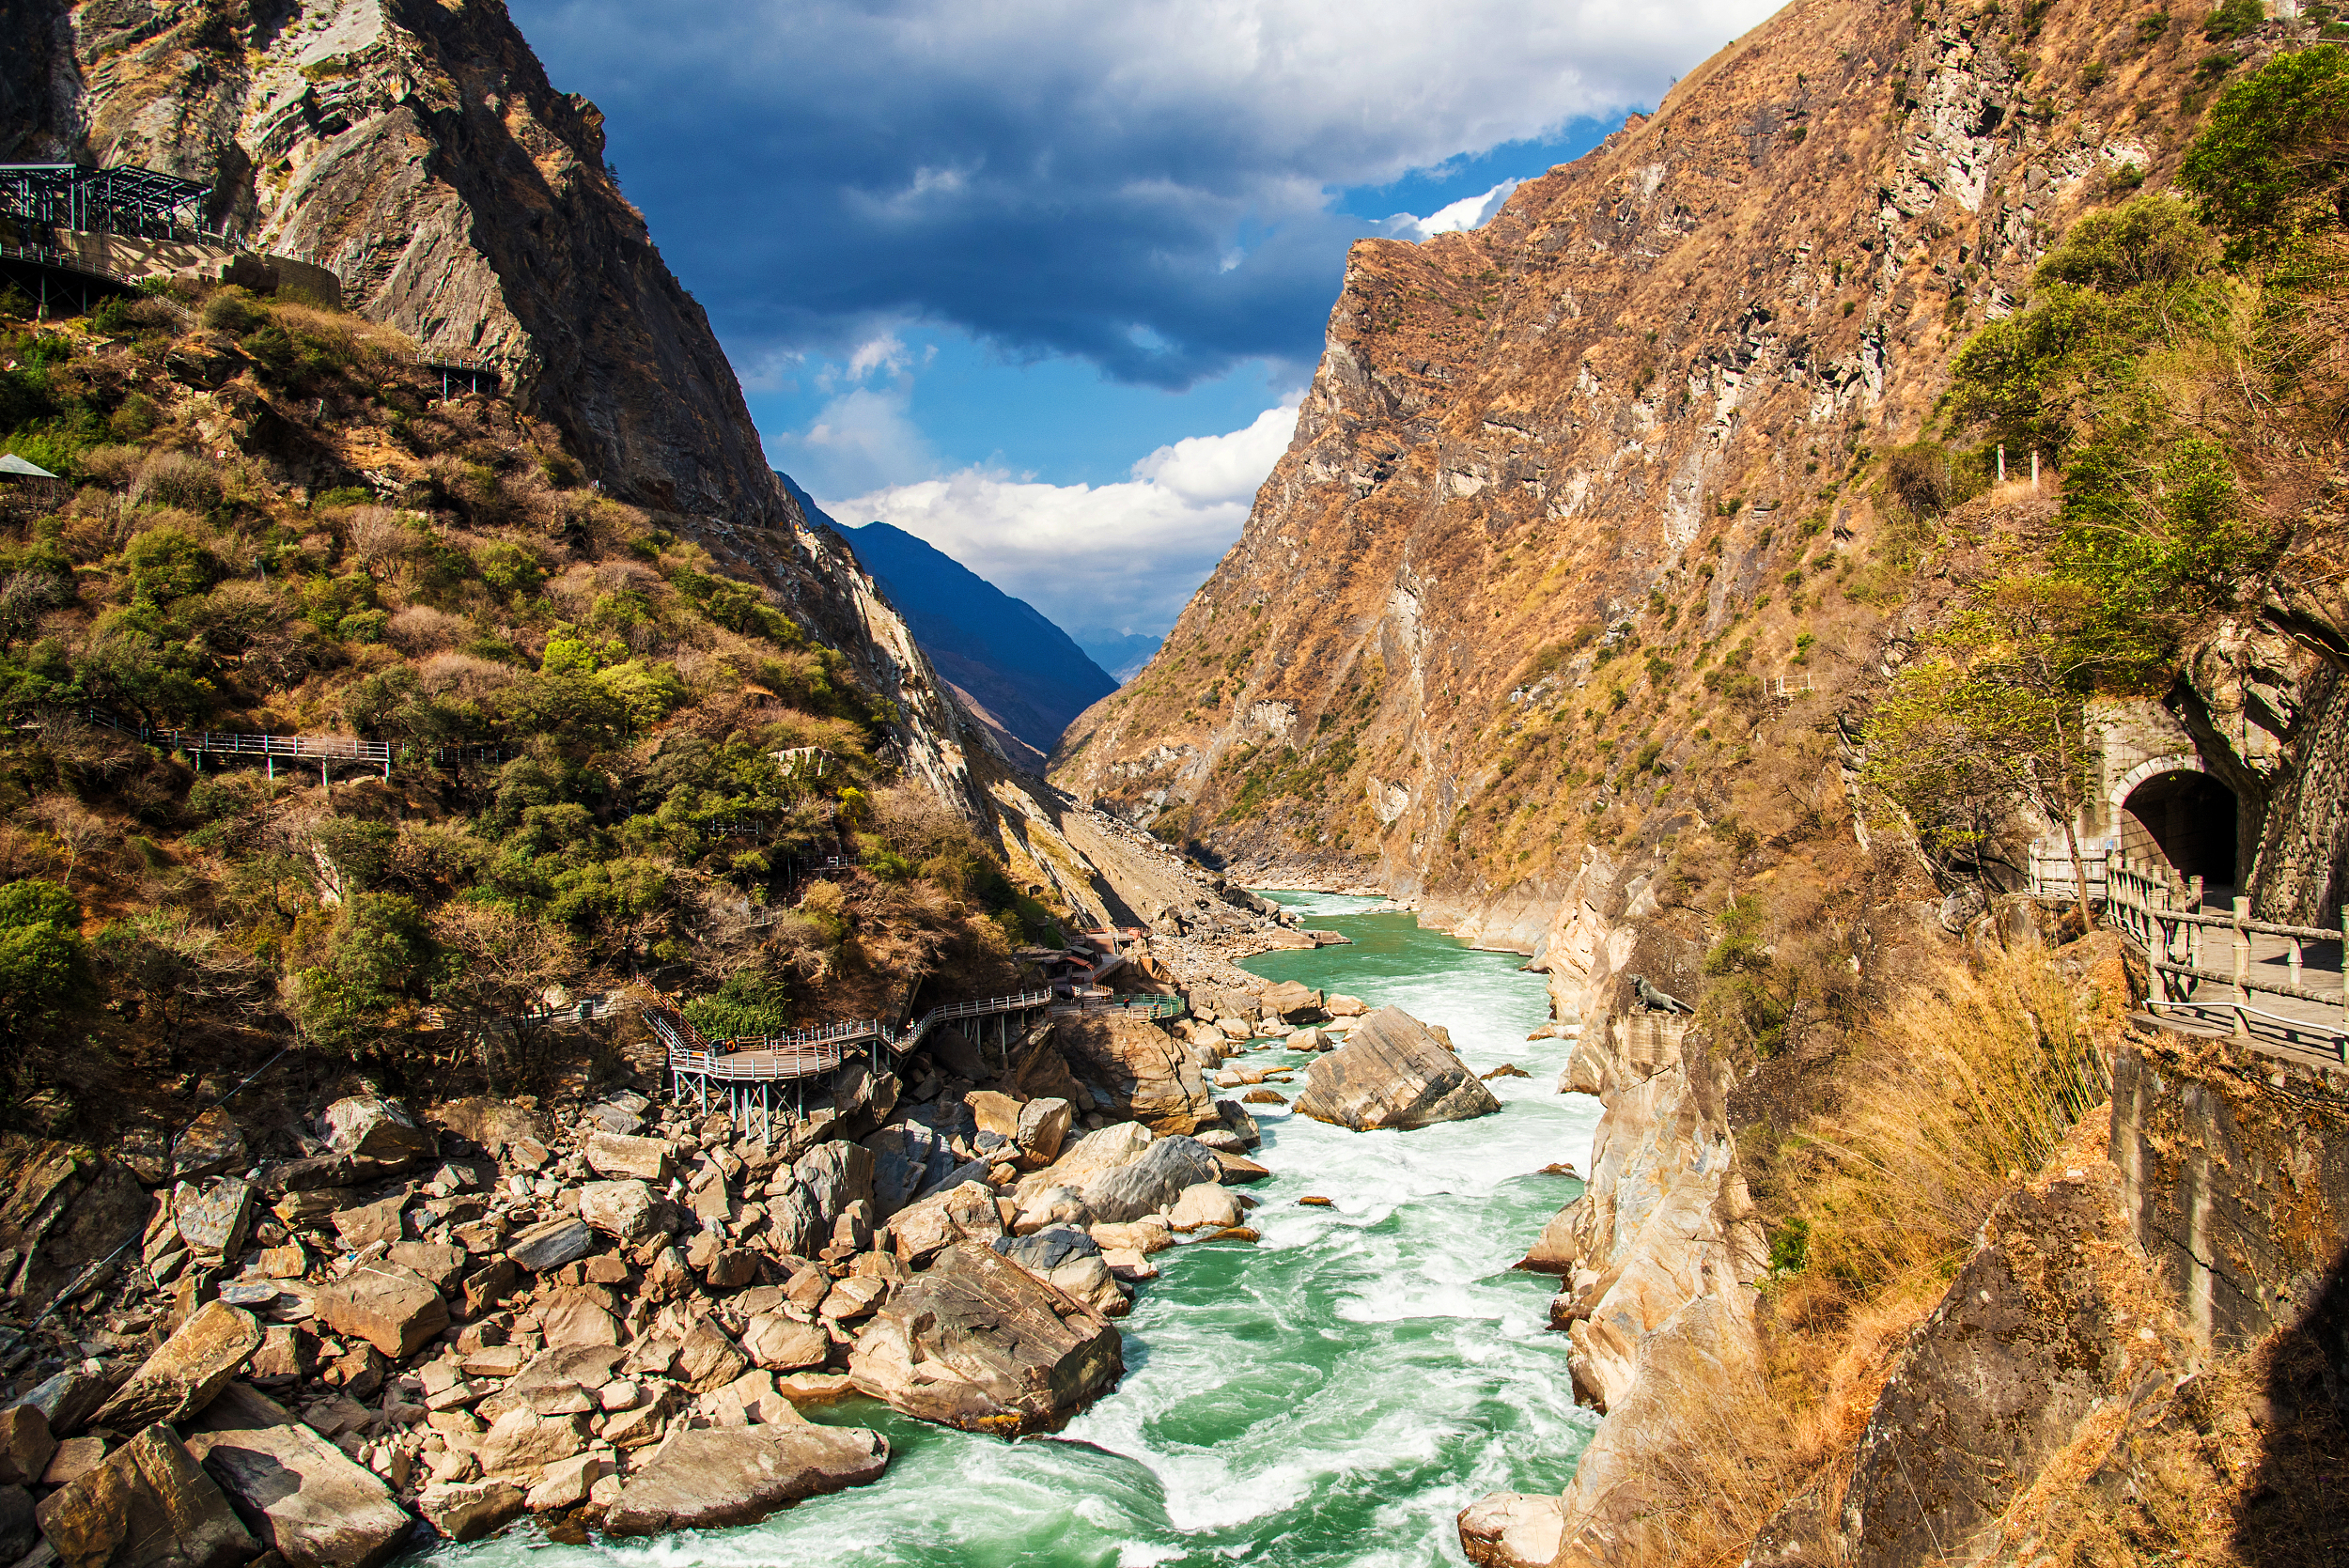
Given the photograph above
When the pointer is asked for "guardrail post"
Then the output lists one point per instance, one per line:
(2242, 970)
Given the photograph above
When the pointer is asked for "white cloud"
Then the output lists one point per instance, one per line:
(1089, 555)
(1468, 212)
(1047, 174)
(866, 436)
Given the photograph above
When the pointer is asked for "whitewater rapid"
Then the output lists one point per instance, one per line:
(1331, 1395)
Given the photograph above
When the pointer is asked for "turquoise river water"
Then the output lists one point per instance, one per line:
(1331, 1395)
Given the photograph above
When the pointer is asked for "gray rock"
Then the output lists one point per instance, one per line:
(1047, 1249)
(1392, 1072)
(1152, 1181)
(393, 1308)
(707, 1359)
(379, 1131)
(216, 1221)
(1043, 1124)
(469, 1510)
(25, 1445)
(835, 1176)
(552, 1245)
(700, 1480)
(621, 1209)
(1291, 1000)
(611, 1154)
(908, 1158)
(70, 1398)
(18, 1529)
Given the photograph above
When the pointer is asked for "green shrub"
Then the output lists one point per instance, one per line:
(2234, 19)
(234, 311)
(166, 564)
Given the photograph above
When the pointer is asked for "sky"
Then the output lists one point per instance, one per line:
(1042, 281)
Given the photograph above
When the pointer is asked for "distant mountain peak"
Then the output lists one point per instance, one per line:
(1019, 671)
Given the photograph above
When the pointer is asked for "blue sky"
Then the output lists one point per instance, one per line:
(1041, 280)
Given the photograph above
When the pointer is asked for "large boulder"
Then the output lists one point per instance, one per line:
(701, 1479)
(380, 1132)
(621, 1209)
(146, 1505)
(393, 1308)
(1094, 1155)
(909, 1160)
(780, 1343)
(964, 1212)
(213, 1143)
(1292, 1000)
(1513, 1529)
(60, 1212)
(552, 1243)
(494, 1122)
(1070, 1262)
(469, 1510)
(70, 1397)
(619, 1157)
(25, 1445)
(310, 1501)
(835, 1175)
(1149, 1076)
(1392, 1072)
(1152, 1181)
(1043, 1124)
(186, 1369)
(978, 1343)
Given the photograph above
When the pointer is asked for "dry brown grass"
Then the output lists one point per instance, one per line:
(1970, 1080)
(1962, 1088)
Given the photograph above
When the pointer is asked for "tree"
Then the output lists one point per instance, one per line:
(2000, 716)
(178, 970)
(2275, 153)
(41, 969)
(368, 980)
(41, 948)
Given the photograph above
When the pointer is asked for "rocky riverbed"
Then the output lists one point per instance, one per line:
(321, 1339)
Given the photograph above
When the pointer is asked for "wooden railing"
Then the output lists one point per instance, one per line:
(2146, 904)
(2051, 873)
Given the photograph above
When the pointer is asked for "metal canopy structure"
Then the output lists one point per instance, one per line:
(120, 200)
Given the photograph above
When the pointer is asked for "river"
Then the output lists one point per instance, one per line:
(1331, 1395)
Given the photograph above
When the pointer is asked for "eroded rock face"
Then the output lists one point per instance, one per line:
(735, 1475)
(311, 1503)
(1147, 1073)
(1392, 1072)
(148, 1505)
(1151, 1183)
(186, 1369)
(977, 1342)
(1659, 1256)
(2037, 1332)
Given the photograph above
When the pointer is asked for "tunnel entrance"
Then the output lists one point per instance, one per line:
(2185, 818)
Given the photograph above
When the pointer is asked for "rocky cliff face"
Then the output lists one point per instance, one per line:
(1572, 495)
(417, 148)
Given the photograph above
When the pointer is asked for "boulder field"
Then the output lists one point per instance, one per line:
(610, 1313)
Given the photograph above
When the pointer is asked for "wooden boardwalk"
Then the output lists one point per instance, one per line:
(2214, 971)
(747, 1071)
